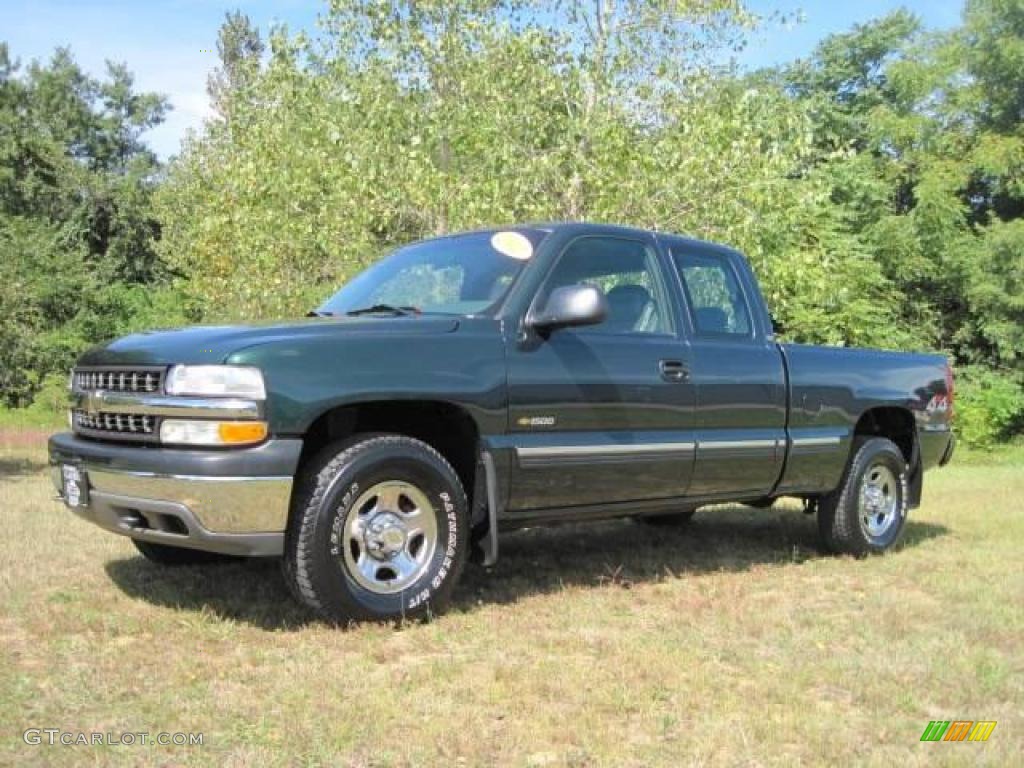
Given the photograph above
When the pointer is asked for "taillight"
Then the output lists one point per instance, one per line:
(949, 387)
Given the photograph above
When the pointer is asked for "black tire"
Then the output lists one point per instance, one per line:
(847, 523)
(322, 554)
(165, 554)
(671, 520)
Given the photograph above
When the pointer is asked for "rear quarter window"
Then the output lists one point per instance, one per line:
(715, 299)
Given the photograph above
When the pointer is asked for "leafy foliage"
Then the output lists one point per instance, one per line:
(877, 186)
(77, 262)
(990, 406)
(409, 120)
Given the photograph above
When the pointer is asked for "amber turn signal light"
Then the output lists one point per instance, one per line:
(235, 432)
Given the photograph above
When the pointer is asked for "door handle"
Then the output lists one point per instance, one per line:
(673, 370)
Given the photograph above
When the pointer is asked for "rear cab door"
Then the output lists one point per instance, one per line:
(737, 372)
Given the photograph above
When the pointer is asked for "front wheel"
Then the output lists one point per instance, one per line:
(867, 513)
(379, 531)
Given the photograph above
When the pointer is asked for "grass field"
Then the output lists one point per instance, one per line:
(733, 642)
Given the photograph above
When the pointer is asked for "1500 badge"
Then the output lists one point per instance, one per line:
(536, 421)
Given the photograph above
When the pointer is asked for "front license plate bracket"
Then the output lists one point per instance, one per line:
(74, 485)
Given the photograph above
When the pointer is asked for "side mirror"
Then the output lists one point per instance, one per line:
(571, 306)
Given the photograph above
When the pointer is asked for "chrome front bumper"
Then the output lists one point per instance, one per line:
(230, 501)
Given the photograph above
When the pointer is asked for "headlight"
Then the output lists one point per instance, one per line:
(194, 432)
(216, 381)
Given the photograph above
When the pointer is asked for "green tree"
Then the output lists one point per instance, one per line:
(239, 48)
(77, 262)
(876, 186)
(919, 137)
(992, 50)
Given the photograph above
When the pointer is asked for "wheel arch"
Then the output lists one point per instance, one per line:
(447, 427)
(889, 421)
(897, 424)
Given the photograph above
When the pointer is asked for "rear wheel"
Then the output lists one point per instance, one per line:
(164, 554)
(379, 531)
(867, 513)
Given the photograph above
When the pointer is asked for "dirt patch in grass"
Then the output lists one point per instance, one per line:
(22, 438)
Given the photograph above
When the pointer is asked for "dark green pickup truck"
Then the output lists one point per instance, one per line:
(488, 381)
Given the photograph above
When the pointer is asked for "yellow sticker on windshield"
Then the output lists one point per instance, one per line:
(512, 244)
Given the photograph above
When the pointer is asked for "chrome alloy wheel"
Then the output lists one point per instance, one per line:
(879, 502)
(390, 537)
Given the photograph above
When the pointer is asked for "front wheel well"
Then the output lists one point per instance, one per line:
(445, 427)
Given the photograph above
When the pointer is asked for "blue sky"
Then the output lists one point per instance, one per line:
(170, 44)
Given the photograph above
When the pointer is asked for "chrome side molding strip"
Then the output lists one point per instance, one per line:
(734, 444)
(607, 449)
(610, 451)
(809, 441)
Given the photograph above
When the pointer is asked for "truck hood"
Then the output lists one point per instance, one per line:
(214, 343)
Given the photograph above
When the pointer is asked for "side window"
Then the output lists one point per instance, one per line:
(627, 271)
(713, 293)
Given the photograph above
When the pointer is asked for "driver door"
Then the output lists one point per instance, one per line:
(605, 413)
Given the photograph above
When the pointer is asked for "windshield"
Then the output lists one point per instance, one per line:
(458, 275)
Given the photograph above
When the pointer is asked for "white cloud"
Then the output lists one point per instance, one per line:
(184, 85)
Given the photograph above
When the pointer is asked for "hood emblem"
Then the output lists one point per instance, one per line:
(92, 401)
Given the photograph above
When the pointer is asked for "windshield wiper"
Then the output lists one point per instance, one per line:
(381, 308)
(319, 313)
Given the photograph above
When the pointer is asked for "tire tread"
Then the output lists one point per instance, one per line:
(838, 524)
(314, 485)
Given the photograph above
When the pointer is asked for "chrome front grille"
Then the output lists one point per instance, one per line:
(143, 380)
(115, 423)
(91, 418)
